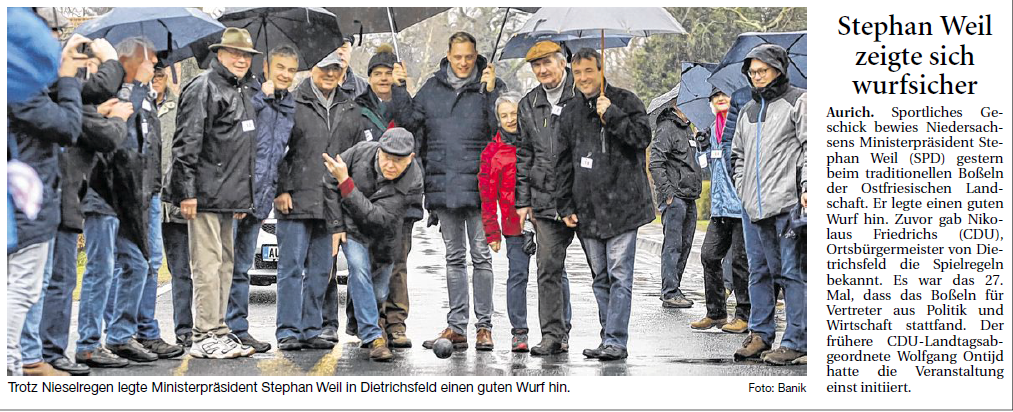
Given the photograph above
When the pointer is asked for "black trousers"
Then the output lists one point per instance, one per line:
(724, 240)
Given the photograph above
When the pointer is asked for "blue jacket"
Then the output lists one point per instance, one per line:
(275, 119)
(724, 201)
(41, 125)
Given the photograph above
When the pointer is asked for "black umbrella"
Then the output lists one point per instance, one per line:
(728, 76)
(369, 20)
(694, 98)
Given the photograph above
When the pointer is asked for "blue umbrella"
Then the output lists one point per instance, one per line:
(728, 76)
(694, 98)
(171, 29)
(518, 45)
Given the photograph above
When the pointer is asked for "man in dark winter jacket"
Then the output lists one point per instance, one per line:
(215, 141)
(275, 108)
(537, 118)
(454, 117)
(371, 212)
(39, 126)
(769, 160)
(326, 120)
(602, 191)
(677, 181)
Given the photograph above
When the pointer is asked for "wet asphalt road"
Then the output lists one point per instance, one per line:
(661, 342)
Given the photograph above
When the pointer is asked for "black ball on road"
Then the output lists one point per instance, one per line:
(443, 348)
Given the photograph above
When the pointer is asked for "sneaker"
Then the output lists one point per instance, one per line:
(75, 369)
(678, 302)
(185, 340)
(41, 369)
(317, 342)
(483, 339)
(206, 348)
(519, 343)
(244, 349)
(379, 352)
(802, 360)
(783, 356)
(289, 343)
(399, 340)
(163, 349)
(132, 350)
(258, 346)
(547, 347)
(752, 347)
(460, 341)
(736, 326)
(329, 334)
(594, 353)
(100, 358)
(611, 353)
(707, 323)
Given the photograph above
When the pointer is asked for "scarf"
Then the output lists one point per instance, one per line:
(326, 101)
(719, 124)
(554, 94)
(457, 82)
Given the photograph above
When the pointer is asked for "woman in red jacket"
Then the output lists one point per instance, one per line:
(497, 177)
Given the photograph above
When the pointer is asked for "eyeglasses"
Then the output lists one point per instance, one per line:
(760, 72)
(238, 54)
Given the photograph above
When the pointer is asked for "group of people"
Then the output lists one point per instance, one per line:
(350, 164)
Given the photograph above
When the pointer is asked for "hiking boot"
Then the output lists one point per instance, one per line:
(75, 369)
(594, 353)
(460, 341)
(329, 334)
(161, 348)
(101, 358)
(564, 346)
(519, 343)
(707, 323)
(751, 347)
(783, 356)
(185, 340)
(289, 343)
(738, 325)
(611, 353)
(379, 352)
(258, 346)
(41, 369)
(317, 342)
(132, 350)
(399, 340)
(547, 347)
(483, 339)
(802, 360)
(678, 302)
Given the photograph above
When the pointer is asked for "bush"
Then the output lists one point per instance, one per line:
(703, 204)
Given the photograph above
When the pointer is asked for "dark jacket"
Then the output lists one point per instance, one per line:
(275, 119)
(212, 151)
(739, 98)
(167, 121)
(317, 130)
(602, 176)
(673, 159)
(452, 128)
(372, 208)
(40, 125)
(353, 86)
(537, 150)
(102, 186)
(377, 117)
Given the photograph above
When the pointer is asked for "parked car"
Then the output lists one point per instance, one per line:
(265, 261)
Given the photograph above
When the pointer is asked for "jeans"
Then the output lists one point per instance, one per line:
(147, 325)
(395, 309)
(724, 242)
(304, 257)
(553, 237)
(517, 284)
(679, 221)
(24, 283)
(100, 246)
(175, 239)
(367, 287)
(125, 297)
(246, 234)
(31, 342)
(56, 308)
(462, 228)
(611, 261)
(774, 259)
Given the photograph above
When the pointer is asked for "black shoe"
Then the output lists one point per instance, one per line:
(257, 345)
(132, 350)
(101, 358)
(611, 353)
(185, 340)
(75, 369)
(547, 347)
(594, 353)
(330, 334)
(317, 342)
(289, 343)
(161, 348)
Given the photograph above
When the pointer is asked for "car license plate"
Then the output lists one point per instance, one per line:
(269, 253)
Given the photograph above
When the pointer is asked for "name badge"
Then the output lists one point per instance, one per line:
(692, 143)
(369, 135)
(715, 154)
(146, 106)
(702, 160)
(248, 125)
(144, 127)
(556, 110)
(586, 162)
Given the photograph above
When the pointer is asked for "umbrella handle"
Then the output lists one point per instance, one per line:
(393, 33)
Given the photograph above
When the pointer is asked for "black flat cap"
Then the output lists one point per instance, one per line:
(397, 141)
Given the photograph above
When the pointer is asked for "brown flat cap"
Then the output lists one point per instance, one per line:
(235, 38)
(542, 49)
